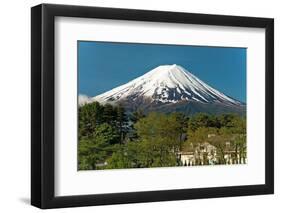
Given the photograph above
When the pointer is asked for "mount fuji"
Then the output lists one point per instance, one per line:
(169, 88)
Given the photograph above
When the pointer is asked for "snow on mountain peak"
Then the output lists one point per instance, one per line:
(166, 84)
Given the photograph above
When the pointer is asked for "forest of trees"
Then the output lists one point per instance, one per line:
(111, 139)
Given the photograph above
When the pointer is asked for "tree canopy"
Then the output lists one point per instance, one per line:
(109, 138)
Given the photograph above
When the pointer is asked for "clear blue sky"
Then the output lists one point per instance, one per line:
(105, 65)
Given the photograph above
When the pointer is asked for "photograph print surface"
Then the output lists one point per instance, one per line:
(160, 105)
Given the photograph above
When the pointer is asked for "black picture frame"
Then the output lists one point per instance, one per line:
(43, 102)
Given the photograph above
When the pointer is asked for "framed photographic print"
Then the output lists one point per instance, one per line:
(139, 106)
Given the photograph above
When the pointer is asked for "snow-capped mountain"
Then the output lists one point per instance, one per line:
(165, 85)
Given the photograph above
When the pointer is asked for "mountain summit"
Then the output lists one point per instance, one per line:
(166, 86)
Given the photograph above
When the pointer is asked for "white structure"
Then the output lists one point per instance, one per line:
(207, 154)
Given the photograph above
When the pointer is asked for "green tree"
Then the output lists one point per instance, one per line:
(90, 115)
(118, 160)
(198, 120)
(96, 149)
(159, 138)
(125, 156)
(241, 148)
(106, 134)
(109, 114)
(226, 120)
(181, 121)
(134, 118)
(137, 115)
(220, 141)
(90, 153)
(121, 122)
